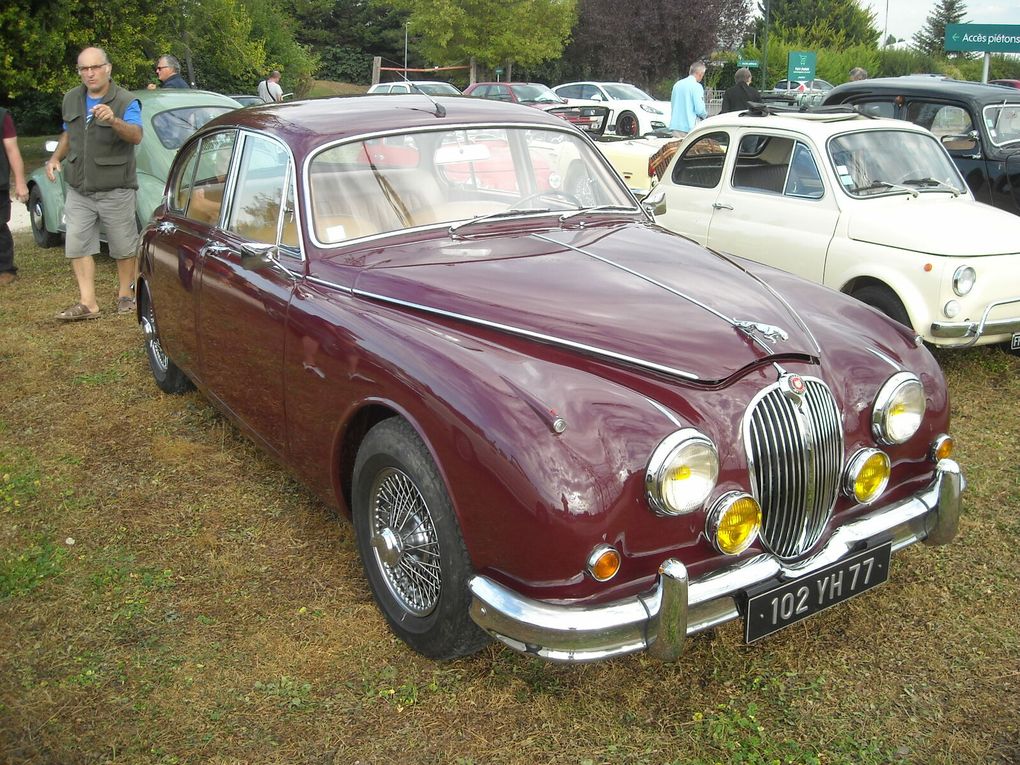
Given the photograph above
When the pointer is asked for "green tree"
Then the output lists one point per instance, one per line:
(820, 23)
(494, 32)
(931, 38)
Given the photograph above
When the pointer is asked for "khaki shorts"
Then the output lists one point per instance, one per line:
(115, 209)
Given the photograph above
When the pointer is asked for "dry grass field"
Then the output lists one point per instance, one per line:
(169, 595)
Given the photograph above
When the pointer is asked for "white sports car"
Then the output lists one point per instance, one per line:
(634, 112)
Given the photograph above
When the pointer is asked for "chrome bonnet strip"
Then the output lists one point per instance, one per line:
(540, 336)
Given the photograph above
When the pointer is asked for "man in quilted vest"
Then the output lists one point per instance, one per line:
(102, 126)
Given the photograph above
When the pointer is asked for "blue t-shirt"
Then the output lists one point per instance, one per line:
(132, 115)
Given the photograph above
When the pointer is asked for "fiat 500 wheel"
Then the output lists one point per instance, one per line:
(410, 543)
(167, 375)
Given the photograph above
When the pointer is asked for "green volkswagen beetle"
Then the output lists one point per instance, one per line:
(169, 117)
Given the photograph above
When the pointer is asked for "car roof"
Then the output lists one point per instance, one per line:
(504, 82)
(308, 123)
(818, 123)
(170, 98)
(977, 93)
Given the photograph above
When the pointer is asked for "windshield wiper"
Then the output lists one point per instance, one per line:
(598, 209)
(932, 183)
(511, 213)
(887, 185)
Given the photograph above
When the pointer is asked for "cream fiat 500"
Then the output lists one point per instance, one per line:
(874, 208)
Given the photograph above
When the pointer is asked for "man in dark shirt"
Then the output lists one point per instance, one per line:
(10, 163)
(168, 69)
(738, 97)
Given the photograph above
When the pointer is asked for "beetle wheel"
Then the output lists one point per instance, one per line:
(410, 543)
(42, 236)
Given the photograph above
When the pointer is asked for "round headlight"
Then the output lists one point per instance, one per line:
(867, 474)
(733, 522)
(963, 280)
(899, 409)
(681, 472)
(951, 309)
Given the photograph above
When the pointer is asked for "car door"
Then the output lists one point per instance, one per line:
(249, 268)
(183, 228)
(693, 184)
(774, 206)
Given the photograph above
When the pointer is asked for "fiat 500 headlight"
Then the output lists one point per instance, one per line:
(899, 409)
(963, 280)
(681, 472)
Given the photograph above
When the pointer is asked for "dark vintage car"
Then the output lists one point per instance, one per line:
(550, 422)
(979, 125)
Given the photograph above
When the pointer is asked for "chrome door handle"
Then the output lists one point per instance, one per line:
(166, 227)
(722, 206)
(216, 249)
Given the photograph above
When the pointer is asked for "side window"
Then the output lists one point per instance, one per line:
(259, 192)
(941, 119)
(591, 92)
(211, 177)
(289, 234)
(502, 93)
(570, 91)
(180, 187)
(763, 163)
(702, 162)
(804, 179)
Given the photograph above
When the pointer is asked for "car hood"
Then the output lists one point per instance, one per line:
(628, 293)
(938, 225)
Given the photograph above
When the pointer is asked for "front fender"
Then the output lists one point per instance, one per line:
(52, 193)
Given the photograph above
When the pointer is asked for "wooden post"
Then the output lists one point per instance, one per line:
(473, 72)
(376, 66)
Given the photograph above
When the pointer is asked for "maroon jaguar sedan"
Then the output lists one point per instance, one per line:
(550, 421)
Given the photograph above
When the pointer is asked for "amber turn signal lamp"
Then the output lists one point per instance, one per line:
(603, 563)
(942, 448)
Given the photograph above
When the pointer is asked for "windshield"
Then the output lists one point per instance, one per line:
(876, 162)
(535, 93)
(174, 126)
(1003, 122)
(441, 177)
(621, 91)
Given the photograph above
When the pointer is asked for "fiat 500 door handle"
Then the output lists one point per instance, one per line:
(722, 206)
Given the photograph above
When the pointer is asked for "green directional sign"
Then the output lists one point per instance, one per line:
(984, 38)
(749, 63)
(800, 65)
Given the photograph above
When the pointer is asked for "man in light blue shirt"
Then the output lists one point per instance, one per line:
(688, 100)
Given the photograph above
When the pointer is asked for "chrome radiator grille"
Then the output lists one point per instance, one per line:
(795, 449)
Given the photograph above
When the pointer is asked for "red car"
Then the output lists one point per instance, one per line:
(550, 421)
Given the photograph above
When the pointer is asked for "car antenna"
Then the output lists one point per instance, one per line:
(440, 109)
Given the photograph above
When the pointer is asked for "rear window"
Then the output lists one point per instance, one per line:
(175, 126)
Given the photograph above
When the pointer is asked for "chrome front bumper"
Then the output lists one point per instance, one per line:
(975, 330)
(660, 620)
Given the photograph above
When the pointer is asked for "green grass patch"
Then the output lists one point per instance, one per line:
(27, 569)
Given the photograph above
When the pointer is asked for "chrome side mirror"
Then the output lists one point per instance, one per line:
(655, 203)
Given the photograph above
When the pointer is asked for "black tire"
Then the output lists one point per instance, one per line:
(42, 237)
(885, 300)
(627, 124)
(410, 544)
(167, 375)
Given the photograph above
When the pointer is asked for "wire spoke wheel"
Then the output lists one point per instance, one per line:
(405, 543)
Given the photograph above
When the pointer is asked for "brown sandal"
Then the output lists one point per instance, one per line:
(77, 312)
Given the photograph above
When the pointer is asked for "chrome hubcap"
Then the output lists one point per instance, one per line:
(152, 338)
(404, 542)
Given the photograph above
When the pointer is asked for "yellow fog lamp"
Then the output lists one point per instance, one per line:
(733, 522)
(867, 475)
(603, 563)
(942, 448)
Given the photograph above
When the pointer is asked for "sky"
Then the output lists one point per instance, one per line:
(908, 16)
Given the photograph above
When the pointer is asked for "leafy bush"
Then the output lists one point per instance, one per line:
(344, 64)
(36, 113)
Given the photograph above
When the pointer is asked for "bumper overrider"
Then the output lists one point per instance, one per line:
(659, 620)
